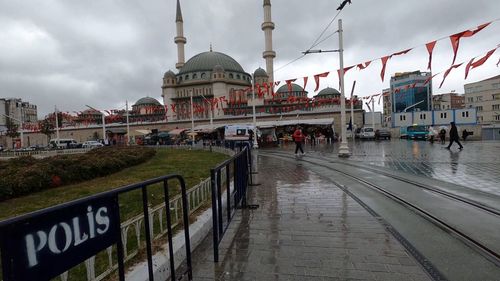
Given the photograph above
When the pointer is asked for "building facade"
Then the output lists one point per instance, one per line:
(448, 101)
(411, 91)
(485, 97)
(18, 110)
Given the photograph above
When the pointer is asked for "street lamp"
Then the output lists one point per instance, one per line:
(192, 119)
(344, 148)
(255, 142)
(20, 124)
(103, 122)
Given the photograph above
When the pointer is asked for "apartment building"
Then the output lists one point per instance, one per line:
(484, 95)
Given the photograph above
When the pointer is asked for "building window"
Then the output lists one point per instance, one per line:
(444, 114)
(203, 75)
(496, 107)
(231, 75)
(195, 76)
(497, 117)
(465, 113)
(422, 116)
(479, 98)
(496, 85)
(238, 76)
(479, 108)
(470, 99)
(402, 117)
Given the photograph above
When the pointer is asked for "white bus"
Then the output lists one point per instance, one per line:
(62, 143)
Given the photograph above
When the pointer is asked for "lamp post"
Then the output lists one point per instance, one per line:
(192, 119)
(211, 112)
(103, 122)
(20, 124)
(344, 148)
(128, 126)
(255, 142)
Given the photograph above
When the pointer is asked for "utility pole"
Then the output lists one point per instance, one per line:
(57, 124)
(128, 126)
(352, 110)
(344, 148)
(192, 119)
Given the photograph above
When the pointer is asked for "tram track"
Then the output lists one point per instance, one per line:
(481, 247)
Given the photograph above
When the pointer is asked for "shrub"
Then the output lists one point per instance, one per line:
(25, 175)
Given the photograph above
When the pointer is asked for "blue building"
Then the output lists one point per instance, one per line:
(408, 92)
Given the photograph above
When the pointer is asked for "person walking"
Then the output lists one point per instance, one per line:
(298, 137)
(442, 135)
(313, 138)
(454, 136)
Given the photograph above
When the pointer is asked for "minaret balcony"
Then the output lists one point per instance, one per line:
(267, 25)
(180, 39)
(267, 54)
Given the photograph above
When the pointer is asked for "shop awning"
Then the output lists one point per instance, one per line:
(143, 132)
(177, 131)
(119, 131)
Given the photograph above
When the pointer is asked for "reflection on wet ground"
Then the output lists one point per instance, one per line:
(305, 229)
(477, 166)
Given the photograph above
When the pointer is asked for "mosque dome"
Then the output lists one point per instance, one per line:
(218, 68)
(169, 73)
(259, 72)
(295, 88)
(147, 101)
(328, 92)
(206, 61)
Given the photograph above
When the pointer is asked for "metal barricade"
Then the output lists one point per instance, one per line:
(46, 243)
(235, 198)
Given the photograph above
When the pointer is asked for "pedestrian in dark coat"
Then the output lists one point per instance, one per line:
(454, 136)
(442, 135)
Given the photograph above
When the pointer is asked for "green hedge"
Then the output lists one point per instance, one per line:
(25, 175)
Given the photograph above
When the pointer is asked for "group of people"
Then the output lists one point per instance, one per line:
(298, 138)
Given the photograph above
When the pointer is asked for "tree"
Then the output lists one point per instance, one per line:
(46, 128)
(12, 129)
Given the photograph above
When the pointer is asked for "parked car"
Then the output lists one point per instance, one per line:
(367, 133)
(382, 133)
(91, 144)
(61, 143)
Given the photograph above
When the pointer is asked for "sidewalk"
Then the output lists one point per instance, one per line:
(305, 229)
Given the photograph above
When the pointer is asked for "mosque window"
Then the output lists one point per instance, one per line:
(238, 76)
(231, 75)
(203, 75)
(195, 76)
(186, 77)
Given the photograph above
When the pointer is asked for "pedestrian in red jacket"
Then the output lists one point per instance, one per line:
(298, 137)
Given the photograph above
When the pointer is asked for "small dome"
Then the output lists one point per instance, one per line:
(169, 74)
(147, 101)
(259, 72)
(295, 88)
(328, 92)
(218, 68)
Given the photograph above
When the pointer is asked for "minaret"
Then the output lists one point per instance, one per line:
(267, 27)
(180, 40)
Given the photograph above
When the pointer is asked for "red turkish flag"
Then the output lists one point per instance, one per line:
(472, 65)
(430, 78)
(345, 70)
(448, 72)
(402, 52)
(384, 62)
(316, 78)
(362, 66)
(289, 84)
(430, 48)
(455, 38)
(173, 107)
(305, 82)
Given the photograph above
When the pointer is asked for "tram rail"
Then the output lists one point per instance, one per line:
(474, 243)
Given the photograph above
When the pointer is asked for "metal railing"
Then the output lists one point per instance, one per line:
(235, 198)
(48, 248)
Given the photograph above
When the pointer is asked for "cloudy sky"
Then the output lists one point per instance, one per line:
(68, 53)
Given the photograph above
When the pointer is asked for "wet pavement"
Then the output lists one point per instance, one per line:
(477, 166)
(308, 229)
(305, 229)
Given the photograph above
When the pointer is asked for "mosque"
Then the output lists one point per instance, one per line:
(215, 86)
